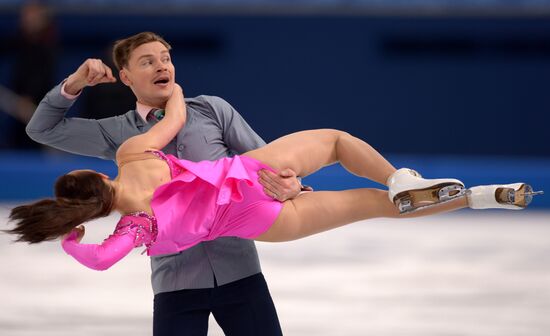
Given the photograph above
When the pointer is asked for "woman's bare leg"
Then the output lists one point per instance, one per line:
(315, 212)
(308, 151)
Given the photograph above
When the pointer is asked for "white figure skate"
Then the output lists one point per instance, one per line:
(514, 196)
(410, 192)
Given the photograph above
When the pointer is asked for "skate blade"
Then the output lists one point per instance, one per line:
(409, 201)
(435, 204)
(520, 198)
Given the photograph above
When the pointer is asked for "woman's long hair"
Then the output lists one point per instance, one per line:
(79, 198)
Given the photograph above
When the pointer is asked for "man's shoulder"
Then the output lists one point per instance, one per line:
(206, 101)
(212, 107)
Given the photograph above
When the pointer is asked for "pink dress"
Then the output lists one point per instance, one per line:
(203, 201)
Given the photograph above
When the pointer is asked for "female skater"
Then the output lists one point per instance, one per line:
(169, 205)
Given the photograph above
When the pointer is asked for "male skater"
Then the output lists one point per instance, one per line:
(222, 277)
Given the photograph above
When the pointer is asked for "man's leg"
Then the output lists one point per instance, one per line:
(183, 312)
(245, 307)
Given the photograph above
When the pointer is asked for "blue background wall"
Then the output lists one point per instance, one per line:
(462, 91)
(431, 85)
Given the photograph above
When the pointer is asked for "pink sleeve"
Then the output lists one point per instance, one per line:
(68, 95)
(130, 232)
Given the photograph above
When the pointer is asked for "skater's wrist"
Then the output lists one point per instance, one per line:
(305, 188)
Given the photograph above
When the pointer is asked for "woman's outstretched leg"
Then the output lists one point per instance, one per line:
(315, 212)
(308, 151)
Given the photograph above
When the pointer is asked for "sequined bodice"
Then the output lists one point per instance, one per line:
(145, 234)
(174, 169)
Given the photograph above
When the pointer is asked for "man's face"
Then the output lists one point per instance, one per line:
(150, 74)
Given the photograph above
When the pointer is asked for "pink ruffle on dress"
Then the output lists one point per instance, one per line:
(203, 201)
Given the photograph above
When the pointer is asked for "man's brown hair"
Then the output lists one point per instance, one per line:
(123, 48)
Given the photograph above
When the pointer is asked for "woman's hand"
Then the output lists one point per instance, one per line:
(177, 89)
(79, 230)
(176, 102)
(164, 131)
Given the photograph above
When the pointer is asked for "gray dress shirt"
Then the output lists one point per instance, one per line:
(213, 130)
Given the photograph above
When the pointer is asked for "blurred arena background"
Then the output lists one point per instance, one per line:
(450, 88)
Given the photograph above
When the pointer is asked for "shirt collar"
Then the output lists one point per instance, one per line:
(143, 110)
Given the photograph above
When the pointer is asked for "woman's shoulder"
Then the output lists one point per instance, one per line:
(140, 223)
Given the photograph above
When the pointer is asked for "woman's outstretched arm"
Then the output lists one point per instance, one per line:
(131, 231)
(98, 257)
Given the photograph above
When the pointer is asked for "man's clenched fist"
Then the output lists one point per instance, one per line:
(90, 73)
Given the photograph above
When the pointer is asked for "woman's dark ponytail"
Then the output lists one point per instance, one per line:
(80, 197)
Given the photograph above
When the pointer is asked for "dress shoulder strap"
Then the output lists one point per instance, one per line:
(136, 157)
